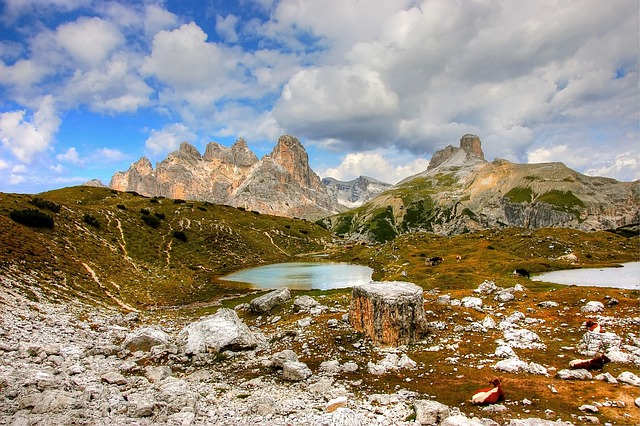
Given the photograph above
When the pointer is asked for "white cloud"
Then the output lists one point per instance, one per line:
(26, 138)
(184, 59)
(378, 166)
(331, 102)
(89, 40)
(168, 139)
(226, 27)
(114, 87)
(624, 167)
(108, 155)
(70, 156)
(16, 8)
(546, 155)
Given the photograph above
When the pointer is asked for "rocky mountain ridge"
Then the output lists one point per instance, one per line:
(460, 192)
(281, 183)
(355, 192)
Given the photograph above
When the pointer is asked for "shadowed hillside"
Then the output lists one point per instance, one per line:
(121, 248)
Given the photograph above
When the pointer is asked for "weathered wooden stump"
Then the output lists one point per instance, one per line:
(391, 313)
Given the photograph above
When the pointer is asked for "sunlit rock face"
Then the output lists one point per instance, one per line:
(281, 183)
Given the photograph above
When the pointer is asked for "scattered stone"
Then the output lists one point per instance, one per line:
(494, 408)
(430, 412)
(487, 287)
(143, 339)
(114, 378)
(578, 374)
(592, 307)
(278, 359)
(295, 371)
(472, 302)
(335, 403)
(505, 351)
(548, 304)
(265, 303)
(606, 377)
(593, 344)
(523, 339)
(587, 408)
(629, 378)
(304, 303)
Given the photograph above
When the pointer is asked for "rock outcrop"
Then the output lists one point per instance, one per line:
(355, 192)
(391, 313)
(281, 183)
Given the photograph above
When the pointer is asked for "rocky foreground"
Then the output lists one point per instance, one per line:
(72, 364)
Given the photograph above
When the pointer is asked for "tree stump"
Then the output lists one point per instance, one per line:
(391, 313)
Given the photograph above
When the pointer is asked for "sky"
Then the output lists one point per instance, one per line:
(370, 87)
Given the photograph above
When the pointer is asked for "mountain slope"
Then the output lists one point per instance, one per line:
(281, 183)
(113, 248)
(462, 192)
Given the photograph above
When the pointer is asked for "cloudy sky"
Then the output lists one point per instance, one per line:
(370, 87)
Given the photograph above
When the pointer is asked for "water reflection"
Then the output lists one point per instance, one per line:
(304, 275)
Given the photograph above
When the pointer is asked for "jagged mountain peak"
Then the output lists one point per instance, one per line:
(356, 192)
(281, 183)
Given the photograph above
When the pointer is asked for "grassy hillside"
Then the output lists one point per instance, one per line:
(120, 248)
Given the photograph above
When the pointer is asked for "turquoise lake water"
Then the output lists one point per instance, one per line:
(304, 275)
(628, 276)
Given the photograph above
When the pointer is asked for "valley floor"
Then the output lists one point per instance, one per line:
(66, 364)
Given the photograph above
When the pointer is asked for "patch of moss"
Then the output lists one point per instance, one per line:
(519, 195)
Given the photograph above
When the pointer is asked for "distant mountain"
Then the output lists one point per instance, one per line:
(281, 183)
(355, 192)
(461, 192)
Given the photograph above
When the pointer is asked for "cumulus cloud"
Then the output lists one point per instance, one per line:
(168, 138)
(25, 137)
(333, 102)
(226, 27)
(71, 155)
(89, 40)
(108, 155)
(386, 166)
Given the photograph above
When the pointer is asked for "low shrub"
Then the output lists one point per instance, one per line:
(121, 206)
(91, 220)
(152, 221)
(45, 204)
(180, 235)
(145, 211)
(204, 209)
(159, 215)
(178, 201)
(32, 217)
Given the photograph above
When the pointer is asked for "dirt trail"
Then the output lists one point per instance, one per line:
(106, 291)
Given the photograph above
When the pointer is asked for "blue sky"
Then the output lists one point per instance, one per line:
(373, 87)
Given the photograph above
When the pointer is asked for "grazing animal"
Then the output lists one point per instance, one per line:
(522, 273)
(488, 395)
(433, 261)
(458, 258)
(593, 326)
(596, 363)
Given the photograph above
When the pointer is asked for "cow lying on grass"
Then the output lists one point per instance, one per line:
(522, 273)
(593, 326)
(596, 363)
(488, 395)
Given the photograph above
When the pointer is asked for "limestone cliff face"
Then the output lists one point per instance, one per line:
(282, 183)
(461, 192)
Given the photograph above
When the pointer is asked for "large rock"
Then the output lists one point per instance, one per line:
(223, 330)
(267, 302)
(592, 343)
(391, 313)
(295, 371)
(430, 412)
(143, 339)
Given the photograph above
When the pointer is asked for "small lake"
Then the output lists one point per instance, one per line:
(628, 276)
(304, 275)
